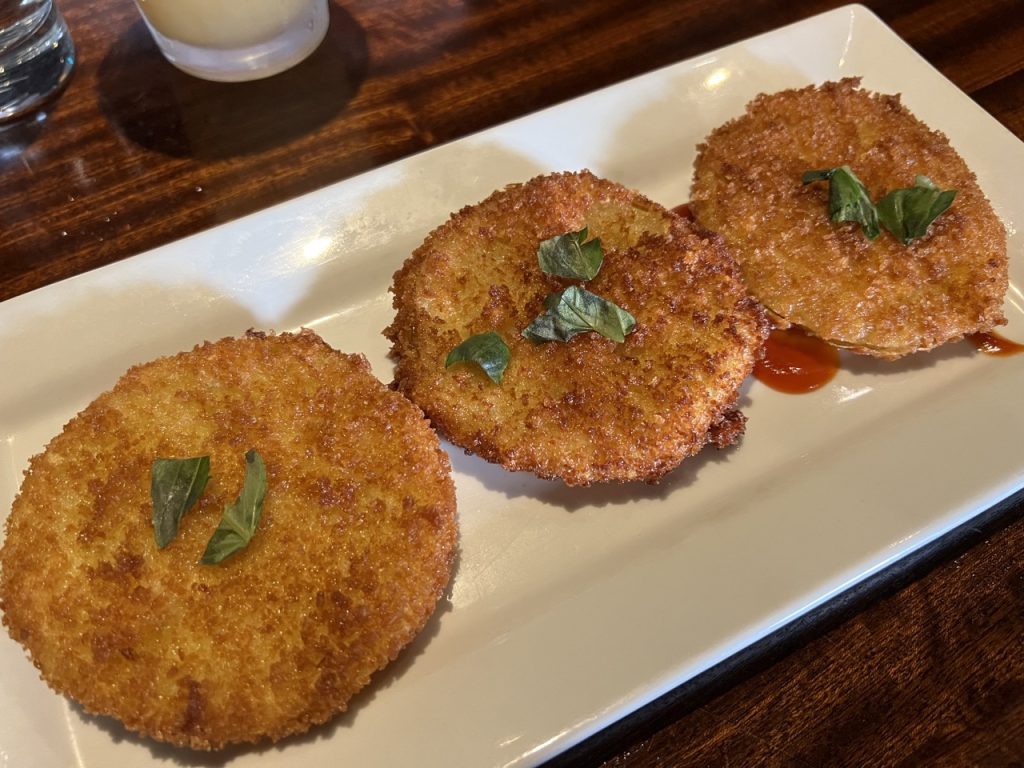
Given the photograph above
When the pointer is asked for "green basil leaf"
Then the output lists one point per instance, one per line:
(578, 311)
(907, 213)
(488, 350)
(175, 485)
(848, 198)
(552, 299)
(822, 175)
(238, 524)
(571, 255)
(549, 327)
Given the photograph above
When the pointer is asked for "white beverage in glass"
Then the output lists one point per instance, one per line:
(235, 39)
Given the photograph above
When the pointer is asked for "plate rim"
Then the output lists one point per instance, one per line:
(28, 301)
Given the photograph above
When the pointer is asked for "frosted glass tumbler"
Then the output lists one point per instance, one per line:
(36, 54)
(233, 40)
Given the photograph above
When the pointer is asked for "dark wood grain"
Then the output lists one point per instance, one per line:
(929, 669)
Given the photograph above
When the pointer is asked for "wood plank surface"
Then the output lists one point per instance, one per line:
(929, 670)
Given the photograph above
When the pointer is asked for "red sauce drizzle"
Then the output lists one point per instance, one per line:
(684, 211)
(992, 343)
(796, 363)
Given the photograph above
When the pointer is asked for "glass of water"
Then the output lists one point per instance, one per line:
(231, 40)
(36, 54)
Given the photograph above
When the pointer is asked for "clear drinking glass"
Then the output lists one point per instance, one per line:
(232, 40)
(36, 54)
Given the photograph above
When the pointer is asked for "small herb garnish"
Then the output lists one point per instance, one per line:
(175, 485)
(488, 350)
(238, 524)
(576, 310)
(907, 213)
(848, 198)
(568, 313)
(571, 255)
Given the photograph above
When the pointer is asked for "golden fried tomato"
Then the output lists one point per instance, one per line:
(354, 549)
(880, 297)
(590, 409)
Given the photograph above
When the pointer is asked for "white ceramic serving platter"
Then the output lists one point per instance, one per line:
(570, 608)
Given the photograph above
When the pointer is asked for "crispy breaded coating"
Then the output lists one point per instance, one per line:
(879, 298)
(355, 546)
(589, 410)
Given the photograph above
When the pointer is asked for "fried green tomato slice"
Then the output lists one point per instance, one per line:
(589, 410)
(353, 551)
(881, 297)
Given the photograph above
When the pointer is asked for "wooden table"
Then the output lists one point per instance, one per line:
(923, 665)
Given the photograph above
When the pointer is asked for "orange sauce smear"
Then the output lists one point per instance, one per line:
(796, 363)
(991, 343)
(684, 211)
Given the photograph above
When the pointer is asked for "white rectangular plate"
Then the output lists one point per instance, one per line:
(570, 608)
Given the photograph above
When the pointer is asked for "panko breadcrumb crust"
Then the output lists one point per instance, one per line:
(354, 549)
(878, 297)
(589, 410)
